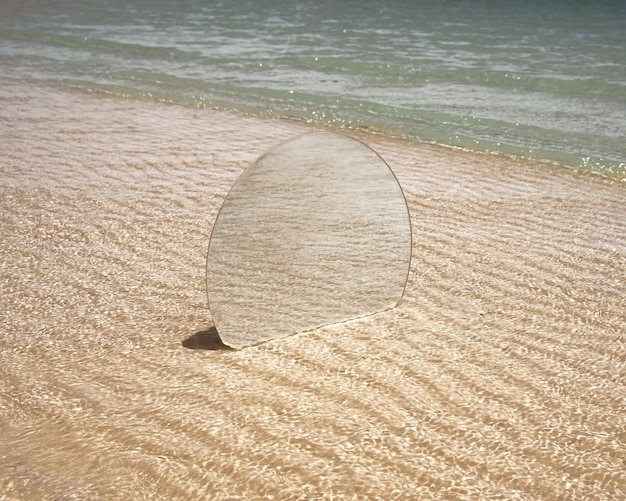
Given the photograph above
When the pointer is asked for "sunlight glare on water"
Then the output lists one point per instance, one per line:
(539, 79)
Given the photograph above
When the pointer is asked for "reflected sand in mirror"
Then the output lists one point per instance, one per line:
(314, 232)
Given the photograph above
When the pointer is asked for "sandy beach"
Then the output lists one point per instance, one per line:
(501, 374)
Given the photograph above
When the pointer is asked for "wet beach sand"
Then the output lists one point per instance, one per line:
(501, 375)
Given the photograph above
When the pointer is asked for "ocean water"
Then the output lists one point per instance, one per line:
(537, 79)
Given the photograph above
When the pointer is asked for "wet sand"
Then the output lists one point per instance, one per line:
(501, 375)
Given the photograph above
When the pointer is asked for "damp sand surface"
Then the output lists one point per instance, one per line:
(501, 375)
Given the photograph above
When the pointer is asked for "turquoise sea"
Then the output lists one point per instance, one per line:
(537, 79)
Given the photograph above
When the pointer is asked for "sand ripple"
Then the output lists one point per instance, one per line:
(502, 374)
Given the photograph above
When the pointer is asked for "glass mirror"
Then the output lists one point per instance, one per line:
(314, 232)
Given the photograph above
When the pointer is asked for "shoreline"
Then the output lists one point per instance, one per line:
(363, 131)
(501, 373)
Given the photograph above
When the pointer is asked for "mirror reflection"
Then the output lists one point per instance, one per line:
(315, 232)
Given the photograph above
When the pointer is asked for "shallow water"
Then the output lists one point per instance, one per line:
(502, 374)
(539, 79)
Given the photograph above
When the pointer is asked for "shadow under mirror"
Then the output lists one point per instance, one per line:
(206, 340)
